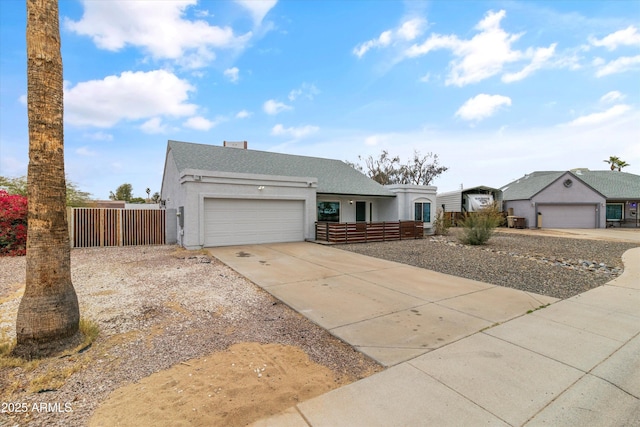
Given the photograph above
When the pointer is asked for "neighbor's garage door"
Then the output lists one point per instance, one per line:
(568, 216)
(240, 222)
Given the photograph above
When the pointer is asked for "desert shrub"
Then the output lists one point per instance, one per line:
(442, 223)
(478, 227)
(13, 224)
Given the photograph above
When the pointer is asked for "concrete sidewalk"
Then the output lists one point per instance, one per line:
(573, 363)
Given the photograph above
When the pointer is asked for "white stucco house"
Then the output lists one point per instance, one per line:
(224, 195)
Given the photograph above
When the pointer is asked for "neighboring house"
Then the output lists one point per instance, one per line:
(574, 199)
(458, 202)
(228, 195)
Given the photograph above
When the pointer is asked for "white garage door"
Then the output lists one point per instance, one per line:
(568, 216)
(240, 222)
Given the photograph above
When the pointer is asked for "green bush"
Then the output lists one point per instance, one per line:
(478, 227)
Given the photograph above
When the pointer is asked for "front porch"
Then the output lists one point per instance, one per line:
(360, 232)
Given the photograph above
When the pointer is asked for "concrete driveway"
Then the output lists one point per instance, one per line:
(392, 312)
(629, 235)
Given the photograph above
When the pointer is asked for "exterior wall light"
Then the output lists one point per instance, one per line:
(261, 187)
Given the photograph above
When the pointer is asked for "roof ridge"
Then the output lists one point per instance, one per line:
(255, 151)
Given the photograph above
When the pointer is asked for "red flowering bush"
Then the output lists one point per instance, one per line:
(13, 224)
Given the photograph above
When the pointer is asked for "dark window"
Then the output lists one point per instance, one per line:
(423, 212)
(329, 211)
(614, 212)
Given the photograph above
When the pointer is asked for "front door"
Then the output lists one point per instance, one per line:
(361, 211)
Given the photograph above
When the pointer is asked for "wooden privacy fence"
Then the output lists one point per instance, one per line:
(90, 227)
(358, 232)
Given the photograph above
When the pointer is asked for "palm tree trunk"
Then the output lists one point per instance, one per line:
(48, 315)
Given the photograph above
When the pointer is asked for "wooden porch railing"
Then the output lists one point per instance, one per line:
(360, 232)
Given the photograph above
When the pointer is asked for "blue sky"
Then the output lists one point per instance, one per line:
(496, 89)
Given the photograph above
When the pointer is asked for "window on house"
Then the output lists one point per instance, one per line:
(423, 211)
(329, 211)
(614, 212)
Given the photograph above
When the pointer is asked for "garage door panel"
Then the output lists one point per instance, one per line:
(568, 216)
(239, 222)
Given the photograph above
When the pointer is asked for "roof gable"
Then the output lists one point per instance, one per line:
(334, 176)
(529, 185)
(611, 184)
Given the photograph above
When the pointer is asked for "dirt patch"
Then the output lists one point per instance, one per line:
(230, 388)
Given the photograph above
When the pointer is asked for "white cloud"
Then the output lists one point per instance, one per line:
(619, 65)
(407, 31)
(159, 28)
(98, 136)
(130, 96)
(85, 151)
(232, 74)
(257, 8)
(485, 54)
(273, 107)
(612, 96)
(411, 29)
(372, 140)
(482, 106)
(13, 166)
(153, 126)
(243, 114)
(539, 58)
(602, 117)
(306, 90)
(627, 37)
(294, 132)
(23, 99)
(201, 123)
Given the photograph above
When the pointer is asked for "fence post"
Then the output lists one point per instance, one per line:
(119, 228)
(101, 214)
(70, 225)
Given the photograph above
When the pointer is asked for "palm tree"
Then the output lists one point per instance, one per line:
(621, 164)
(613, 162)
(48, 315)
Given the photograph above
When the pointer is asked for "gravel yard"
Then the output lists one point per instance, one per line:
(160, 307)
(553, 266)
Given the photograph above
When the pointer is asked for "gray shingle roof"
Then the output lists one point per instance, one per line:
(611, 184)
(334, 176)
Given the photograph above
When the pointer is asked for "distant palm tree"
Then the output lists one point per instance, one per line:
(613, 162)
(621, 164)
